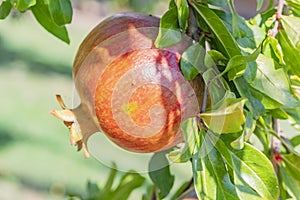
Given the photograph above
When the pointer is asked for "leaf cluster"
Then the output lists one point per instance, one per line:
(53, 15)
(252, 78)
(122, 190)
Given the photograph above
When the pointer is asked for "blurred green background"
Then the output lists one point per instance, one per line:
(36, 159)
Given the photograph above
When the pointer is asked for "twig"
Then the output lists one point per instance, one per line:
(275, 146)
(273, 32)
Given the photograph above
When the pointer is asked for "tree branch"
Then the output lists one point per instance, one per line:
(273, 32)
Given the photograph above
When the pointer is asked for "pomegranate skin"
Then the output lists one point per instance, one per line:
(111, 26)
(142, 100)
(131, 91)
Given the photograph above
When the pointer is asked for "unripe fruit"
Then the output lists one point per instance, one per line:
(131, 91)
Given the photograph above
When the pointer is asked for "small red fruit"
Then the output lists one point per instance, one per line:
(131, 91)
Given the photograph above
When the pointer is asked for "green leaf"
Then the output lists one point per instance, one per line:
(294, 114)
(229, 47)
(215, 84)
(22, 5)
(292, 163)
(236, 20)
(273, 82)
(61, 11)
(169, 32)
(183, 13)
(294, 5)
(290, 52)
(5, 9)
(159, 173)
(172, 4)
(110, 181)
(220, 3)
(192, 61)
(237, 64)
(272, 49)
(217, 56)
(295, 141)
(246, 133)
(290, 184)
(255, 106)
(211, 178)
(266, 101)
(292, 27)
(129, 182)
(259, 4)
(42, 14)
(279, 113)
(92, 189)
(252, 171)
(191, 137)
(180, 190)
(228, 118)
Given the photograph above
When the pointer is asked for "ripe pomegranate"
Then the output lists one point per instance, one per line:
(131, 91)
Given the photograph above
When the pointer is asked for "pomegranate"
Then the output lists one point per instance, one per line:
(131, 91)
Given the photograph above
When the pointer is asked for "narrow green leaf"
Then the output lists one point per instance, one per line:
(294, 5)
(22, 5)
(220, 3)
(180, 190)
(228, 118)
(259, 4)
(61, 11)
(92, 189)
(279, 113)
(292, 163)
(236, 20)
(110, 181)
(294, 114)
(290, 52)
(295, 141)
(250, 126)
(246, 133)
(183, 13)
(289, 183)
(220, 31)
(42, 14)
(159, 173)
(169, 31)
(191, 138)
(272, 49)
(216, 88)
(211, 179)
(5, 9)
(273, 82)
(292, 27)
(254, 105)
(192, 61)
(251, 169)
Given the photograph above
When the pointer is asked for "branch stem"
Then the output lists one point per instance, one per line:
(273, 32)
